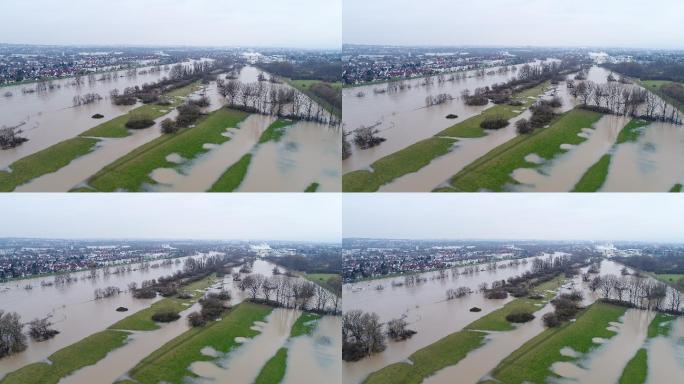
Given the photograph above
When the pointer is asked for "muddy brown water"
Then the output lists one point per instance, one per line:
(69, 304)
(320, 352)
(50, 116)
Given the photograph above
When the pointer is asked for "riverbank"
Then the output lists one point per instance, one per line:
(456, 346)
(420, 154)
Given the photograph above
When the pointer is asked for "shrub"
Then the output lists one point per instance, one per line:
(144, 293)
(122, 309)
(523, 126)
(168, 126)
(515, 103)
(519, 317)
(165, 316)
(196, 319)
(475, 309)
(139, 122)
(496, 294)
(494, 123)
(98, 116)
(551, 320)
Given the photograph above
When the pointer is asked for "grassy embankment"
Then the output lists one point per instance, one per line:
(131, 172)
(636, 370)
(231, 179)
(531, 363)
(68, 360)
(170, 363)
(492, 172)
(273, 371)
(304, 86)
(594, 178)
(59, 155)
(454, 347)
(420, 154)
(95, 347)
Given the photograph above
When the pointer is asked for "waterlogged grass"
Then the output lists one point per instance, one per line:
(408, 160)
(594, 178)
(661, 325)
(48, 160)
(492, 172)
(130, 172)
(67, 360)
(304, 87)
(636, 370)
(531, 363)
(142, 320)
(632, 131)
(418, 155)
(117, 126)
(273, 371)
(321, 279)
(275, 131)
(233, 176)
(304, 325)
(426, 361)
(170, 363)
(313, 187)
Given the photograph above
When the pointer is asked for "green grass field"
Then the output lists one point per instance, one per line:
(231, 179)
(46, 161)
(275, 131)
(273, 371)
(304, 325)
(531, 363)
(170, 363)
(130, 172)
(142, 320)
(321, 279)
(492, 172)
(636, 370)
(68, 360)
(418, 155)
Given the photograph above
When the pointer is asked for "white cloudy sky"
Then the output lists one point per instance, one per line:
(543, 216)
(619, 23)
(255, 216)
(282, 23)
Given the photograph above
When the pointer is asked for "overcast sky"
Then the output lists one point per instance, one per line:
(542, 216)
(618, 23)
(254, 216)
(282, 23)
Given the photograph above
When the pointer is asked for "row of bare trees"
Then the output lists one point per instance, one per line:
(637, 292)
(287, 292)
(624, 99)
(273, 99)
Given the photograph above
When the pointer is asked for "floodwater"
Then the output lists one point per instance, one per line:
(564, 171)
(317, 357)
(421, 304)
(50, 116)
(320, 352)
(426, 310)
(68, 304)
(307, 153)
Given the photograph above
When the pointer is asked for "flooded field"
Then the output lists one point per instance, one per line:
(308, 153)
(50, 116)
(426, 310)
(67, 304)
(314, 355)
(651, 163)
